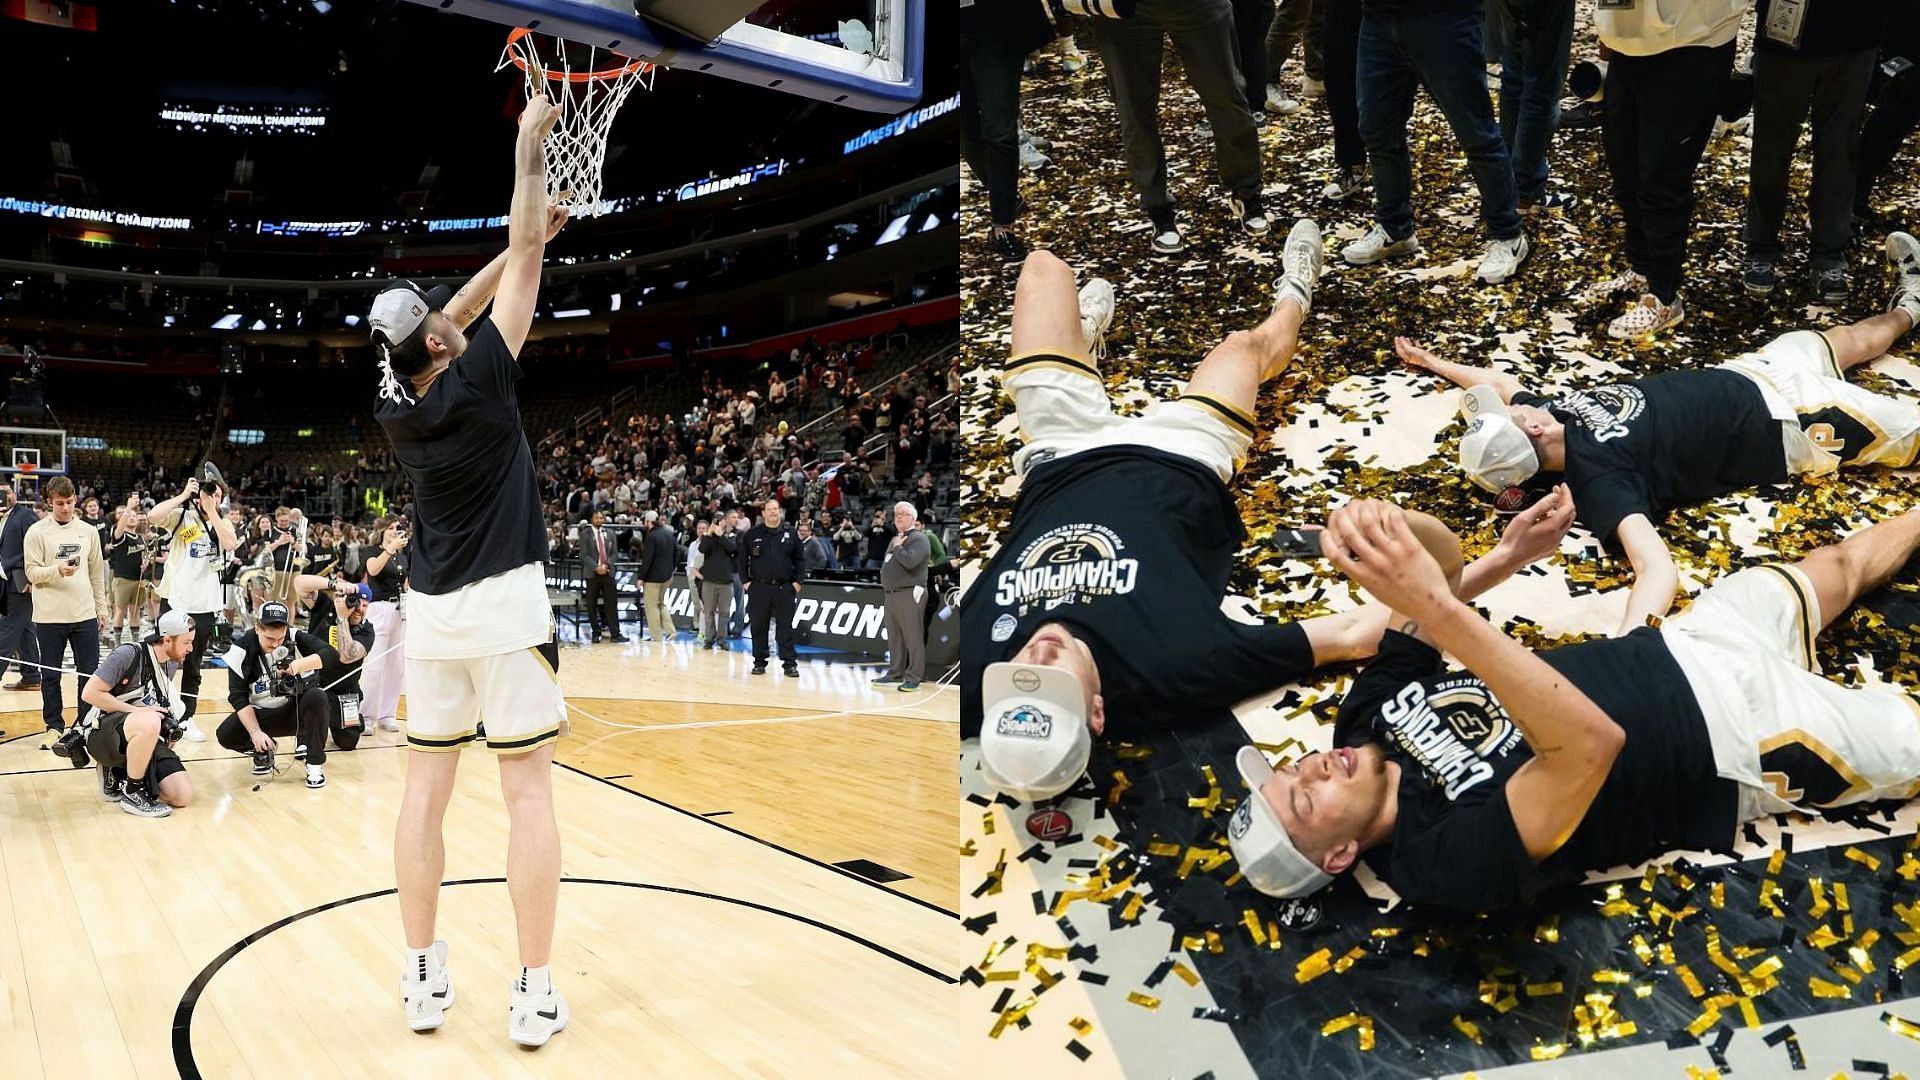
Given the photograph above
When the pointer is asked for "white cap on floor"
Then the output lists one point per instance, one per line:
(1266, 854)
(1034, 739)
(1494, 453)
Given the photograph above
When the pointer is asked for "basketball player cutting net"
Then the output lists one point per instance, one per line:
(480, 648)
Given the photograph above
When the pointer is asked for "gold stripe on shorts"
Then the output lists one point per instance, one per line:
(434, 744)
(1806, 611)
(1059, 361)
(1226, 412)
(544, 662)
(522, 744)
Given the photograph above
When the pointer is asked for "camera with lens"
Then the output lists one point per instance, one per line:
(72, 745)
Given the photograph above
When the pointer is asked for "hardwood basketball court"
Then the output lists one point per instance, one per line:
(704, 928)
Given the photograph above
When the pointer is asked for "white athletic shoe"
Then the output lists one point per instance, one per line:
(1903, 251)
(316, 776)
(1031, 158)
(1302, 259)
(1096, 313)
(1038, 142)
(389, 724)
(1377, 246)
(1346, 183)
(1169, 241)
(1646, 318)
(1278, 102)
(427, 1000)
(192, 733)
(1627, 282)
(533, 1018)
(1503, 259)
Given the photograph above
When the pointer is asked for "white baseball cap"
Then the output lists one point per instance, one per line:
(1266, 854)
(1494, 453)
(1034, 739)
(401, 307)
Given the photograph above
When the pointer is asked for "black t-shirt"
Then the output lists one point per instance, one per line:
(1130, 548)
(1829, 28)
(878, 537)
(123, 555)
(1673, 439)
(253, 677)
(386, 584)
(324, 624)
(476, 508)
(1454, 841)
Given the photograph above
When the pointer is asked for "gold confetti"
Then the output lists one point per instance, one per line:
(1821, 988)
(1162, 848)
(1350, 1020)
(1543, 989)
(1313, 966)
(1120, 786)
(1468, 1028)
(1145, 1001)
(1186, 974)
(1906, 959)
(1901, 1026)
(1548, 1051)
(1609, 976)
(1871, 862)
(1548, 932)
(1081, 1026)
(986, 828)
(1251, 920)
(1777, 860)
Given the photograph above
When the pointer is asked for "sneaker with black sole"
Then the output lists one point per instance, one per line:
(109, 784)
(759, 668)
(1760, 278)
(135, 800)
(426, 996)
(316, 776)
(1252, 219)
(300, 751)
(1831, 285)
(1346, 183)
(263, 763)
(791, 671)
(909, 685)
(532, 1019)
(886, 680)
(1167, 237)
(1005, 246)
(1551, 201)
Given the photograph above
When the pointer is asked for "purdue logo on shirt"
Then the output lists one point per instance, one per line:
(1067, 564)
(1024, 722)
(1452, 733)
(1607, 411)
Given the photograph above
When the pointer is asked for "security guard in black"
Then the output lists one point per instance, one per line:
(770, 566)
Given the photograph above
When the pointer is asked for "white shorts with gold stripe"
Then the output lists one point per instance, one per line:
(511, 701)
(1791, 738)
(1830, 422)
(1063, 408)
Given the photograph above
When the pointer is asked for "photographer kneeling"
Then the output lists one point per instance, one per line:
(136, 719)
(269, 696)
(337, 616)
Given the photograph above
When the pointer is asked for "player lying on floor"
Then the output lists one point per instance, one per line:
(1102, 607)
(1477, 789)
(1632, 451)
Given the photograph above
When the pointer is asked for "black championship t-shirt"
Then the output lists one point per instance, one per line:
(1673, 439)
(324, 623)
(123, 555)
(476, 509)
(1454, 841)
(1130, 549)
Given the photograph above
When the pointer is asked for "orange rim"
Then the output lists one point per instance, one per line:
(634, 67)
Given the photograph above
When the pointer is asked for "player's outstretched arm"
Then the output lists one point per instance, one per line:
(1655, 579)
(1573, 742)
(1465, 376)
(526, 238)
(478, 292)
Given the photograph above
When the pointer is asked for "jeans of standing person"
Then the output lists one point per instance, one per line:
(1398, 54)
(1896, 112)
(1660, 111)
(1787, 89)
(1536, 38)
(1342, 53)
(1203, 34)
(1302, 21)
(54, 639)
(384, 674)
(990, 121)
(190, 669)
(716, 604)
(17, 639)
(1251, 18)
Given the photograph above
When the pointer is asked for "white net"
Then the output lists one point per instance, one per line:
(589, 84)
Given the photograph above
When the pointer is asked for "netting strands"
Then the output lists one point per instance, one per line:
(588, 98)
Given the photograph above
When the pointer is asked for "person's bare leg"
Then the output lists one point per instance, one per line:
(1842, 573)
(419, 851)
(1232, 373)
(533, 850)
(1868, 339)
(1046, 309)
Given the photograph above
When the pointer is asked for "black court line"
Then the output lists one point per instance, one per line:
(710, 813)
(928, 904)
(183, 1013)
(622, 776)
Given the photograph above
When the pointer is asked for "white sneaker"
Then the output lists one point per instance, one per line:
(192, 733)
(1096, 312)
(1169, 241)
(1302, 259)
(1377, 245)
(389, 724)
(1647, 317)
(1254, 221)
(316, 776)
(1903, 251)
(1503, 259)
(533, 1018)
(1073, 61)
(1346, 183)
(1311, 88)
(1278, 102)
(1038, 142)
(1626, 282)
(1031, 158)
(427, 1000)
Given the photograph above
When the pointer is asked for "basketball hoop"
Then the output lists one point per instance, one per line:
(26, 467)
(571, 76)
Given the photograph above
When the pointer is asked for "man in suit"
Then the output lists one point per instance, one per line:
(903, 577)
(603, 595)
(17, 640)
(659, 554)
(816, 553)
